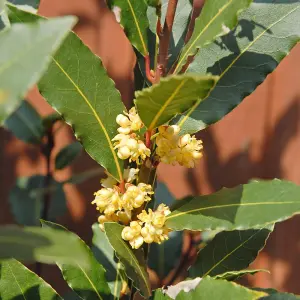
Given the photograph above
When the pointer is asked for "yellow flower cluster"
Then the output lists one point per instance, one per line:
(150, 227)
(125, 202)
(127, 142)
(116, 206)
(173, 148)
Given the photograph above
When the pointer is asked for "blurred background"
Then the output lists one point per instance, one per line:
(258, 139)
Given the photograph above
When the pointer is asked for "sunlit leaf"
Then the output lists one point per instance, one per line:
(105, 254)
(216, 18)
(77, 85)
(133, 260)
(247, 206)
(131, 14)
(266, 33)
(25, 52)
(88, 282)
(18, 282)
(172, 95)
(229, 251)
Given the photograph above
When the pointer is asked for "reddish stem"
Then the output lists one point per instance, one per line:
(148, 139)
(122, 186)
(149, 74)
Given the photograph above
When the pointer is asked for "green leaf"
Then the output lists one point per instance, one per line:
(27, 205)
(247, 206)
(18, 282)
(234, 275)
(46, 245)
(67, 155)
(217, 16)
(133, 260)
(105, 254)
(274, 295)
(89, 283)
(26, 124)
(172, 95)
(164, 257)
(218, 289)
(229, 251)
(131, 15)
(78, 87)
(264, 36)
(24, 56)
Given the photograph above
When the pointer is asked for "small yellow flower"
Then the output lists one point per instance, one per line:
(130, 147)
(132, 234)
(172, 148)
(129, 121)
(136, 196)
(107, 200)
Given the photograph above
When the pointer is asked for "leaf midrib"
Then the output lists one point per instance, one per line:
(90, 281)
(137, 26)
(96, 116)
(235, 60)
(16, 280)
(228, 205)
(230, 253)
(164, 107)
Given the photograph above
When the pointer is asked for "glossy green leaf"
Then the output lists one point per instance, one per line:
(89, 283)
(218, 289)
(172, 95)
(27, 205)
(229, 251)
(24, 56)
(78, 87)
(266, 33)
(18, 282)
(131, 15)
(133, 260)
(105, 254)
(46, 245)
(26, 124)
(217, 16)
(247, 206)
(234, 275)
(67, 155)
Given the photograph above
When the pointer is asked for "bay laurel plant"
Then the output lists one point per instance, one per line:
(194, 65)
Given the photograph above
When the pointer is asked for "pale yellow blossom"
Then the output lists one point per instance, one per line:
(132, 234)
(136, 196)
(173, 148)
(107, 200)
(129, 146)
(129, 122)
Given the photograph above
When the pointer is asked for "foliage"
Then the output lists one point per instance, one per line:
(202, 67)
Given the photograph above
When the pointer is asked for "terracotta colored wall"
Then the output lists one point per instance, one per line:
(260, 139)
